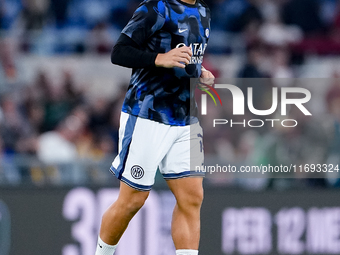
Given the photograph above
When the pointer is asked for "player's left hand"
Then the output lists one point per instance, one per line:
(207, 78)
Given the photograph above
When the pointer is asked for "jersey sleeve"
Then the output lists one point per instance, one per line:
(147, 19)
(127, 53)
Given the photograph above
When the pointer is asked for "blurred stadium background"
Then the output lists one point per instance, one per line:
(60, 100)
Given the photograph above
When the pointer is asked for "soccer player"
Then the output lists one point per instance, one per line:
(164, 43)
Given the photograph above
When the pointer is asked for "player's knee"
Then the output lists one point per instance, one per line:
(191, 199)
(135, 201)
(197, 198)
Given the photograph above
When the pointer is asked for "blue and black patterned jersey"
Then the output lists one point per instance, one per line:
(163, 94)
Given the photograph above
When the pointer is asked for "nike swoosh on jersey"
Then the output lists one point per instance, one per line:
(182, 30)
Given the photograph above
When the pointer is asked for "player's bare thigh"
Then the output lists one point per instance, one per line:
(187, 190)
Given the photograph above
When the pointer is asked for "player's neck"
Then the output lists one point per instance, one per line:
(189, 1)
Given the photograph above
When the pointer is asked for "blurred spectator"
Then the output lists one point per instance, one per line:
(121, 13)
(2, 14)
(34, 116)
(104, 123)
(303, 13)
(277, 34)
(281, 71)
(323, 42)
(13, 125)
(59, 146)
(255, 60)
(252, 72)
(102, 146)
(273, 32)
(8, 69)
(99, 117)
(9, 174)
(70, 92)
(34, 14)
(59, 10)
(99, 40)
(335, 30)
(41, 88)
(60, 100)
(226, 13)
(304, 144)
(328, 10)
(57, 149)
(250, 21)
(116, 106)
(333, 101)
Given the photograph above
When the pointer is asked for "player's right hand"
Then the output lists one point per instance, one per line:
(178, 57)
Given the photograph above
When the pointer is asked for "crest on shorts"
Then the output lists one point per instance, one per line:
(137, 172)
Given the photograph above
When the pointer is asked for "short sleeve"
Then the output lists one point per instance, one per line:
(147, 19)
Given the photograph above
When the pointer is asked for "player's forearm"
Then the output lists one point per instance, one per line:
(126, 53)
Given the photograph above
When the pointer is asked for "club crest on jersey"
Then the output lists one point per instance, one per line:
(207, 33)
(137, 172)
